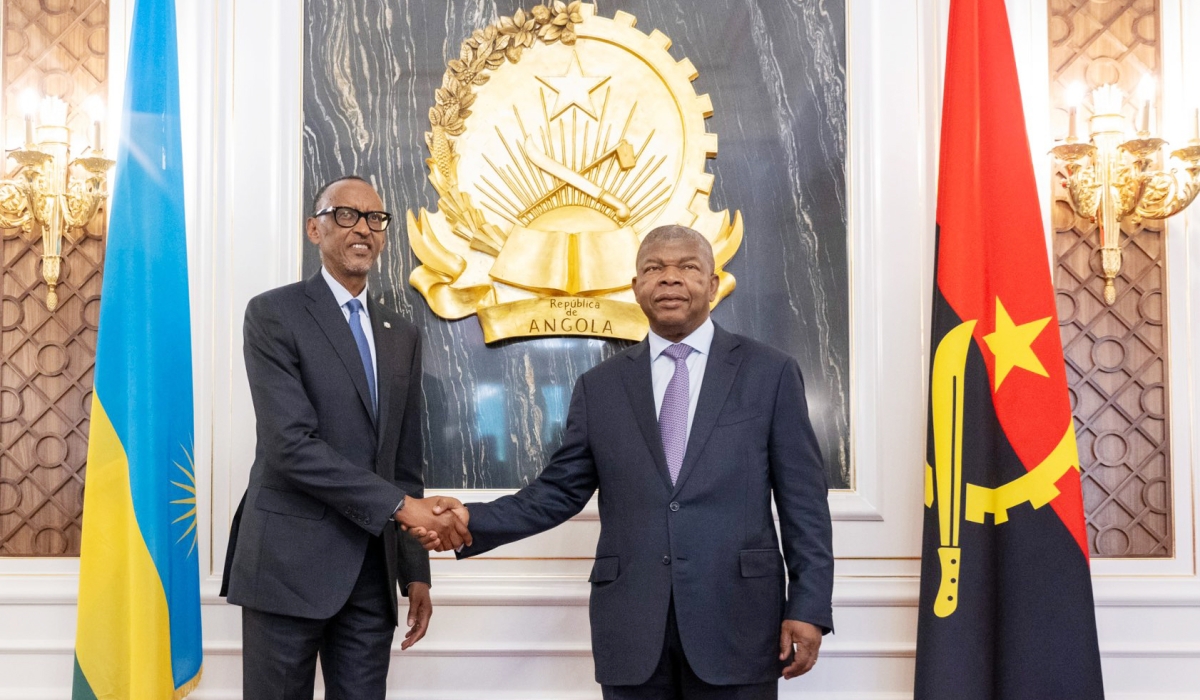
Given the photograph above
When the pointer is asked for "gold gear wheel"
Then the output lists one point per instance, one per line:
(689, 200)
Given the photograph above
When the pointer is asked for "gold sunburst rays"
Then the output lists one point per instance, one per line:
(519, 191)
(190, 473)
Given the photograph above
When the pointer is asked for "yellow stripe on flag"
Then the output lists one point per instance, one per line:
(123, 644)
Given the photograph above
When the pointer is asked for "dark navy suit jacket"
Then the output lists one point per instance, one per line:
(710, 540)
(326, 475)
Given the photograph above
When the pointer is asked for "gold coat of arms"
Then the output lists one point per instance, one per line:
(559, 138)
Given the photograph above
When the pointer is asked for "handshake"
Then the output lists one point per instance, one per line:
(438, 522)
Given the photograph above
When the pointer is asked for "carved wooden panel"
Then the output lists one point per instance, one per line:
(59, 48)
(1117, 363)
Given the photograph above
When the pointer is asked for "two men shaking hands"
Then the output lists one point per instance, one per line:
(689, 436)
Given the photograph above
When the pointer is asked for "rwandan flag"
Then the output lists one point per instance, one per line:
(138, 636)
(1006, 609)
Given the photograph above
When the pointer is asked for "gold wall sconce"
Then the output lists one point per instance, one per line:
(52, 195)
(1110, 180)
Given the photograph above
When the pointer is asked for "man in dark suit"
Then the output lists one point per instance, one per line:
(315, 557)
(687, 435)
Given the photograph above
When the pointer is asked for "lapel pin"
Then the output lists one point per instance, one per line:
(387, 324)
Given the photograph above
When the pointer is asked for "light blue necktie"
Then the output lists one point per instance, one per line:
(673, 415)
(364, 350)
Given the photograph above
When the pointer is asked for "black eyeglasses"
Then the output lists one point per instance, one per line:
(349, 216)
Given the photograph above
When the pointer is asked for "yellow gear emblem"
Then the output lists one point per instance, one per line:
(557, 140)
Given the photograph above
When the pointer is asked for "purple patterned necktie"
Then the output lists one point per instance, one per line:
(673, 415)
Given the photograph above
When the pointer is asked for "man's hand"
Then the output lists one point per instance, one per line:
(420, 609)
(418, 517)
(807, 640)
(446, 503)
(430, 539)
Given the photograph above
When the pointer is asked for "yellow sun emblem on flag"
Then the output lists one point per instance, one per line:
(189, 472)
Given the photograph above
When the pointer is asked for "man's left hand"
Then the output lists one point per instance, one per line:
(807, 640)
(420, 609)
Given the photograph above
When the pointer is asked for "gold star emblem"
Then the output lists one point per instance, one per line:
(1012, 344)
(574, 89)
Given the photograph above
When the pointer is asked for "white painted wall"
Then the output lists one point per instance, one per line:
(515, 625)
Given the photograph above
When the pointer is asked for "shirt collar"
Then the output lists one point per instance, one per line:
(700, 340)
(340, 293)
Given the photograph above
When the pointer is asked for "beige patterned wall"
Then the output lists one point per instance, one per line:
(1116, 355)
(59, 48)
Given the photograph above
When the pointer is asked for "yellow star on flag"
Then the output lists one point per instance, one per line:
(1012, 344)
(574, 89)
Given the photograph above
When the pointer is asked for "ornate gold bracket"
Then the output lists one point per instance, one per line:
(1110, 180)
(44, 199)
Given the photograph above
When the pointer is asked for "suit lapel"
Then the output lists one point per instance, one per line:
(640, 387)
(324, 309)
(386, 352)
(719, 372)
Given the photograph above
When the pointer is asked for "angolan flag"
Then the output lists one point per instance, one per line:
(1006, 610)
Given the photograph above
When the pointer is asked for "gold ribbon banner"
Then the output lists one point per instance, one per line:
(448, 301)
(579, 316)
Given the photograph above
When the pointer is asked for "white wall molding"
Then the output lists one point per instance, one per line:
(257, 122)
(534, 590)
(891, 231)
(829, 650)
(1180, 98)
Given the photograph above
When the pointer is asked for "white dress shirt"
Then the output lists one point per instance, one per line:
(662, 367)
(343, 296)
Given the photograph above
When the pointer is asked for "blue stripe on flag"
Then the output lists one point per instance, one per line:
(143, 356)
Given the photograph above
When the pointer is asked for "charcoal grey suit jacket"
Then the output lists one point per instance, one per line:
(326, 474)
(709, 541)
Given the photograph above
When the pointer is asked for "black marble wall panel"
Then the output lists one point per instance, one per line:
(776, 74)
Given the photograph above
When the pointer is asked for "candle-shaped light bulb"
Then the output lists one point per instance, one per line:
(29, 105)
(1196, 126)
(1146, 94)
(95, 109)
(1074, 96)
(1107, 100)
(53, 112)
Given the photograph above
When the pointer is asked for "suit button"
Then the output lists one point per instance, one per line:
(667, 560)
(674, 506)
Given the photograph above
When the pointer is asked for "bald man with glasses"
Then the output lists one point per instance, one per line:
(316, 554)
